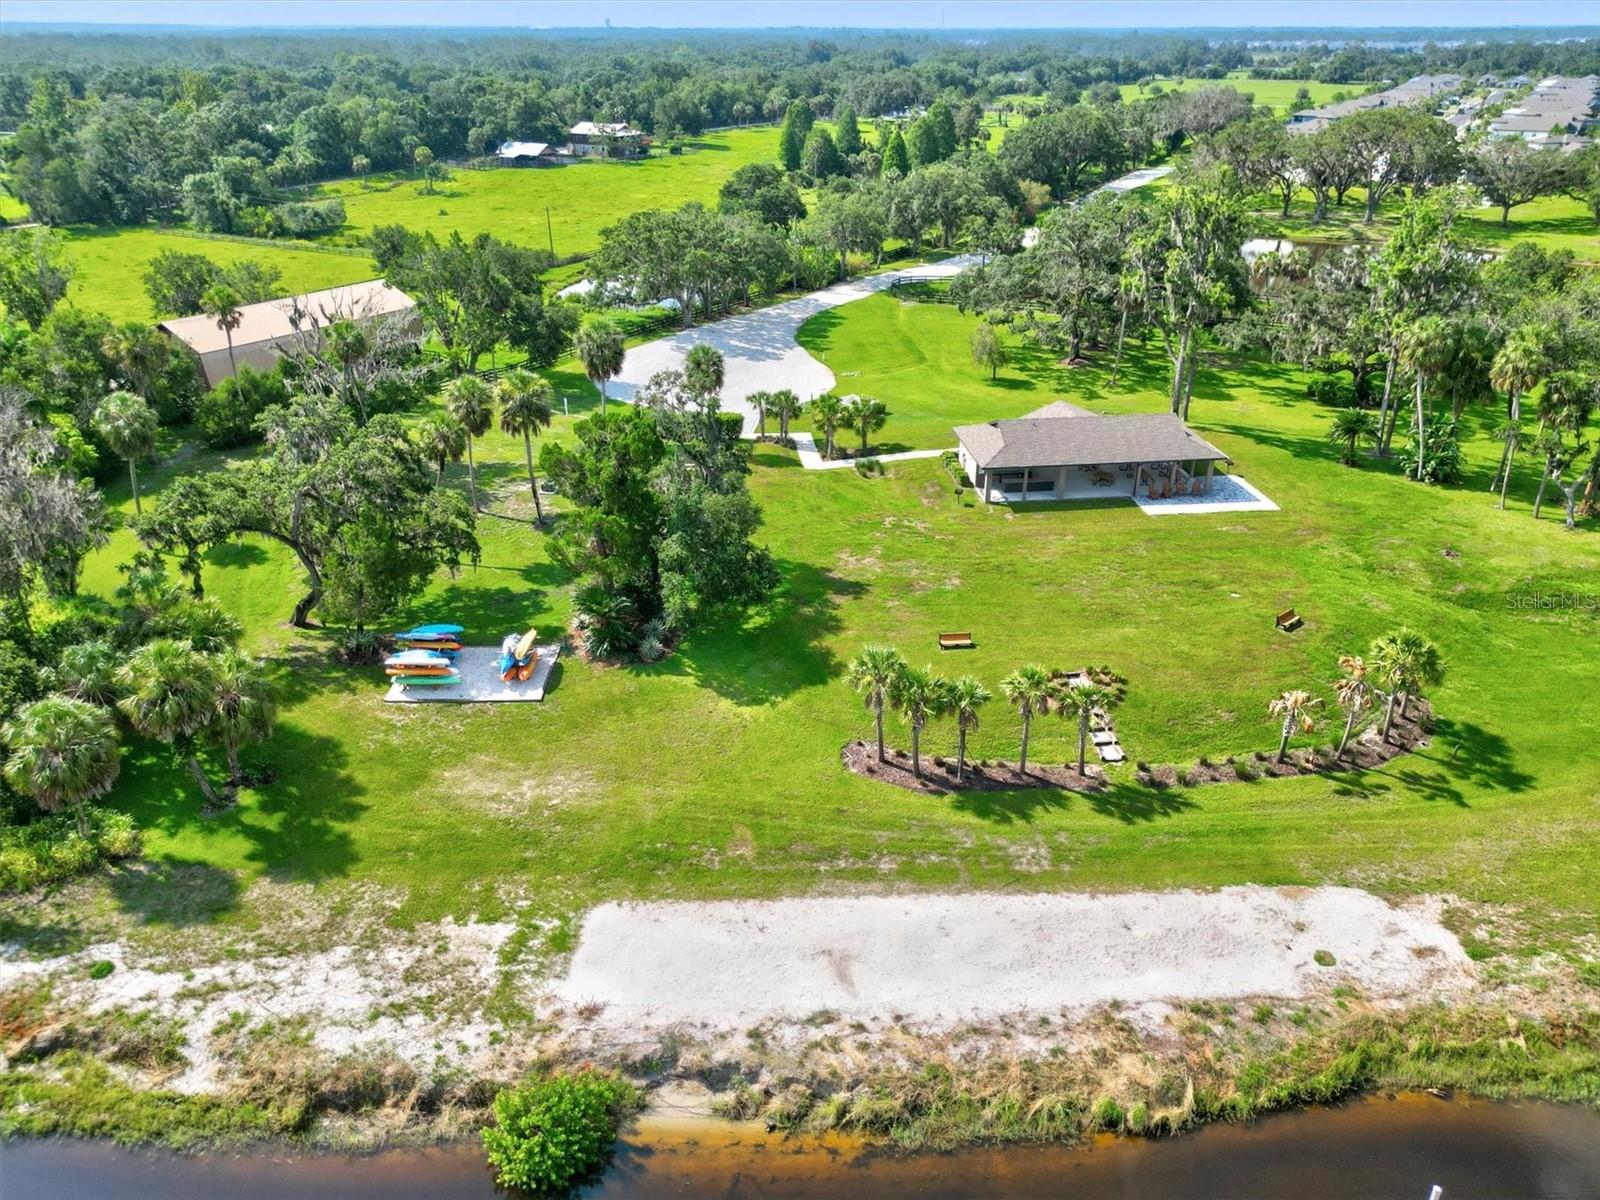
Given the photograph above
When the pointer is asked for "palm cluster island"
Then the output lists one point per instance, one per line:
(893, 591)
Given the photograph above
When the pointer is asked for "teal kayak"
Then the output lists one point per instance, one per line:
(429, 680)
(431, 631)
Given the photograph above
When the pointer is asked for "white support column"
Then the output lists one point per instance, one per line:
(1211, 465)
(1138, 474)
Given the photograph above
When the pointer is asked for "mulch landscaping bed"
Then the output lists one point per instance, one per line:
(939, 773)
(1363, 753)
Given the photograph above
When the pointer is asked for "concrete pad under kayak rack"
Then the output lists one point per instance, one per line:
(479, 667)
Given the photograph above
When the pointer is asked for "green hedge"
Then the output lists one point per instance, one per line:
(50, 849)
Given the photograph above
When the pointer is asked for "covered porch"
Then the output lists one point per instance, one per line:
(1096, 481)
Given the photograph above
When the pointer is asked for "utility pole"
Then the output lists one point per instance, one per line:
(549, 232)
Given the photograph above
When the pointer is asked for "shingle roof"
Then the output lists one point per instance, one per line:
(270, 320)
(1062, 440)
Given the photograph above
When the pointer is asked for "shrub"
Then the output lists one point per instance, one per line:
(1334, 390)
(50, 848)
(227, 413)
(1442, 463)
(550, 1133)
(1324, 958)
(102, 968)
(1106, 1114)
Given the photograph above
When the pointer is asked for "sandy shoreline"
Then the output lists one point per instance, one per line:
(944, 959)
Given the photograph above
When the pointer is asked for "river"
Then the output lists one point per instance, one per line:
(1391, 1148)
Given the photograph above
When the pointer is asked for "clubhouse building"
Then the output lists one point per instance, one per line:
(1063, 452)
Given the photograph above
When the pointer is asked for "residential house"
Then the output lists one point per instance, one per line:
(614, 139)
(266, 331)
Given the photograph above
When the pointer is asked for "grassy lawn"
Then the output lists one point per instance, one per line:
(1553, 222)
(583, 197)
(1279, 93)
(109, 266)
(716, 773)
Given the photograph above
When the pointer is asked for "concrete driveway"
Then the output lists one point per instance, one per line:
(759, 348)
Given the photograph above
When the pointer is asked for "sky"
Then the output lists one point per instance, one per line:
(860, 14)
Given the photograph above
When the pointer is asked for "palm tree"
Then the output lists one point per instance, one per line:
(1521, 363)
(1425, 348)
(1403, 663)
(362, 166)
(919, 695)
(967, 696)
(865, 416)
(222, 303)
(128, 425)
(63, 753)
(1294, 707)
(785, 406)
(1353, 693)
(442, 439)
(525, 409)
(873, 674)
(88, 671)
(423, 157)
(244, 707)
(1350, 428)
(348, 343)
(759, 403)
(468, 399)
(599, 347)
(1028, 689)
(704, 370)
(139, 352)
(169, 693)
(1081, 702)
(827, 414)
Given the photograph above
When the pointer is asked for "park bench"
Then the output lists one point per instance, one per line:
(956, 641)
(1289, 620)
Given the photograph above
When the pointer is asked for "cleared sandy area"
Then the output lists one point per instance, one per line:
(939, 959)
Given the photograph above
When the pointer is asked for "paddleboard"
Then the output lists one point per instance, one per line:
(431, 631)
(415, 658)
(417, 672)
(430, 680)
(525, 646)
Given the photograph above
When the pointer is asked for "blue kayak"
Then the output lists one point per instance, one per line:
(431, 631)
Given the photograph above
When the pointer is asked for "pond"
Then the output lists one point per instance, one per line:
(1396, 1148)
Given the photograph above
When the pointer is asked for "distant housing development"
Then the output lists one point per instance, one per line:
(1417, 90)
(616, 139)
(1555, 114)
(266, 330)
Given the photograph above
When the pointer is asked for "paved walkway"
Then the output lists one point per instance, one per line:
(811, 458)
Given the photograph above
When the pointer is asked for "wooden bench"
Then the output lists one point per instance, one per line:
(1289, 620)
(956, 641)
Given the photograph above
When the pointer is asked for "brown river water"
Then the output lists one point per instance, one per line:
(1383, 1148)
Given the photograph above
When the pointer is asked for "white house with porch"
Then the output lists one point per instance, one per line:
(1063, 452)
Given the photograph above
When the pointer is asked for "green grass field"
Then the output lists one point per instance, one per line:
(109, 266)
(1279, 93)
(582, 197)
(1553, 222)
(715, 773)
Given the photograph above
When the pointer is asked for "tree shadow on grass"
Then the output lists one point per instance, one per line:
(775, 653)
(1484, 758)
(299, 827)
(175, 892)
(816, 336)
(1020, 807)
(1131, 804)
